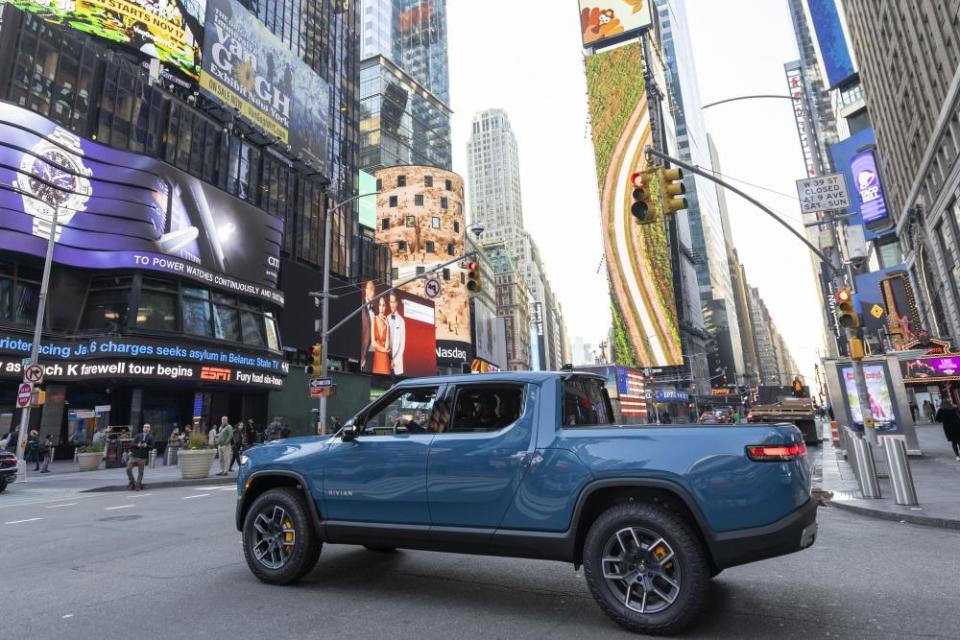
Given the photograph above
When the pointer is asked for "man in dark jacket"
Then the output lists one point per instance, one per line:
(949, 417)
(139, 453)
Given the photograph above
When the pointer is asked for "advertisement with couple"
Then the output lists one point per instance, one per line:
(397, 334)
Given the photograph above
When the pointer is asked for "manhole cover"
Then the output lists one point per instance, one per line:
(119, 518)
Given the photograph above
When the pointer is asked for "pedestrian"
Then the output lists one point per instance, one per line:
(32, 452)
(46, 452)
(914, 410)
(736, 416)
(139, 452)
(175, 437)
(223, 439)
(334, 425)
(236, 444)
(212, 435)
(273, 430)
(251, 432)
(284, 431)
(949, 417)
(99, 435)
(187, 432)
(928, 410)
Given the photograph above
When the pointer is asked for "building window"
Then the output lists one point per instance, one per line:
(401, 181)
(418, 200)
(158, 305)
(393, 201)
(108, 304)
(401, 246)
(196, 312)
(444, 203)
(435, 222)
(456, 227)
(431, 247)
(428, 181)
(448, 184)
(446, 274)
(411, 221)
(394, 273)
(379, 184)
(421, 270)
(451, 249)
(385, 224)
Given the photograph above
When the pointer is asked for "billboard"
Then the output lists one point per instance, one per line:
(637, 256)
(367, 206)
(931, 369)
(880, 398)
(119, 210)
(167, 30)
(397, 333)
(490, 336)
(604, 22)
(802, 118)
(843, 154)
(866, 175)
(832, 42)
(247, 68)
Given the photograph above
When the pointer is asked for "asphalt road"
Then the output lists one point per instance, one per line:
(167, 563)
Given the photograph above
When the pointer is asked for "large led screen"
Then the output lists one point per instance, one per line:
(879, 396)
(397, 333)
(167, 30)
(638, 258)
(606, 21)
(119, 210)
(249, 69)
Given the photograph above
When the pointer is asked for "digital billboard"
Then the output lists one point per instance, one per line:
(866, 174)
(249, 69)
(420, 217)
(119, 210)
(931, 369)
(607, 21)
(367, 206)
(832, 42)
(167, 30)
(397, 333)
(490, 336)
(879, 396)
(646, 329)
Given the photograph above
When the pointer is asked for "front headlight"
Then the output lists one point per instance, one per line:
(243, 459)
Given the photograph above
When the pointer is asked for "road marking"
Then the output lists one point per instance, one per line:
(140, 495)
(69, 615)
(122, 506)
(199, 495)
(57, 506)
(19, 521)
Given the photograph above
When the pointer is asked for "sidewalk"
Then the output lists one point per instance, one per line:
(65, 474)
(936, 476)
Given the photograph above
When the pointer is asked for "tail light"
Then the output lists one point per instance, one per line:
(776, 453)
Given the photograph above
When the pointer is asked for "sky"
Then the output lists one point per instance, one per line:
(525, 57)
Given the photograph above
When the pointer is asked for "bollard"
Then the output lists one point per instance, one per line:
(866, 467)
(153, 459)
(904, 491)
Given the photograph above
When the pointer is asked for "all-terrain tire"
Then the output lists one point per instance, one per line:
(691, 570)
(297, 557)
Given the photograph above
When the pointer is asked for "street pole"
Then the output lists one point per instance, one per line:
(35, 346)
(869, 427)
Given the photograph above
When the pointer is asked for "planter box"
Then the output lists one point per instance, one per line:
(196, 464)
(89, 461)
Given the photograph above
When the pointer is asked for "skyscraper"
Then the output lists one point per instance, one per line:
(404, 84)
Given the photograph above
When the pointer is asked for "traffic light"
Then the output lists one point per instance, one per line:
(473, 276)
(672, 184)
(316, 354)
(642, 207)
(847, 316)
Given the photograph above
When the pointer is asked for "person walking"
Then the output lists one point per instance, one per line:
(139, 452)
(928, 410)
(236, 444)
(949, 417)
(46, 453)
(212, 435)
(914, 410)
(223, 439)
(32, 452)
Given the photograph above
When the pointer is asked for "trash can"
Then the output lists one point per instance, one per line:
(904, 491)
(865, 466)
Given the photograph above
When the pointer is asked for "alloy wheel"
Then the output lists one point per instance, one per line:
(274, 537)
(641, 570)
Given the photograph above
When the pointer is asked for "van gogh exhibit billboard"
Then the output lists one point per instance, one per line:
(247, 68)
(120, 210)
(638, 257)
(167, 30)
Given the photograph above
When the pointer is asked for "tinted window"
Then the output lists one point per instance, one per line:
(407, 411)
(157, 310)
(479, 408)
(585, 403)
(106, 310)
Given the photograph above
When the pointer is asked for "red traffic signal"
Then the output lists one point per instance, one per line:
(843, 295)
(473, 276)
(641, 208)
(637, 179)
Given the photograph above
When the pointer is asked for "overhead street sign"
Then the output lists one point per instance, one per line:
(24, 394)
(823, 193)
(33, 374)
(432, 288)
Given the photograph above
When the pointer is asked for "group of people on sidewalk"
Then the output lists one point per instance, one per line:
(38, 450)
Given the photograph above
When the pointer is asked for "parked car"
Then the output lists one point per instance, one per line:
(8, 469)
(531, 465)
(709, 417)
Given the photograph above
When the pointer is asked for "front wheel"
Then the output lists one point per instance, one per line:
(279, 540)
(646, 568)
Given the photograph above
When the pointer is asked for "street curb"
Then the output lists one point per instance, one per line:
(912, 518)
(165, 484)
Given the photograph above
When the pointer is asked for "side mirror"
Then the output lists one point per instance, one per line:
(350, 431)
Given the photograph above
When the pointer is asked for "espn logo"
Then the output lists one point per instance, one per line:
(216, 374)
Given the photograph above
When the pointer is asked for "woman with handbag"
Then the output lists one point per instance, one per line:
(949, 417)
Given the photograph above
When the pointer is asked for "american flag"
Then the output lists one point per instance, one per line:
(633, 403)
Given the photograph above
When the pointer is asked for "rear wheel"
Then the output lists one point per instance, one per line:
(646, 568)
(279, 541)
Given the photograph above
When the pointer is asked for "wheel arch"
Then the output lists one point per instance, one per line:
(259, 482)
(599, 496)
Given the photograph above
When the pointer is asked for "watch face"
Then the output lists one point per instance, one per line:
(54, 179)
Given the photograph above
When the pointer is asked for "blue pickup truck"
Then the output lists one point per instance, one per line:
(532, 465)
